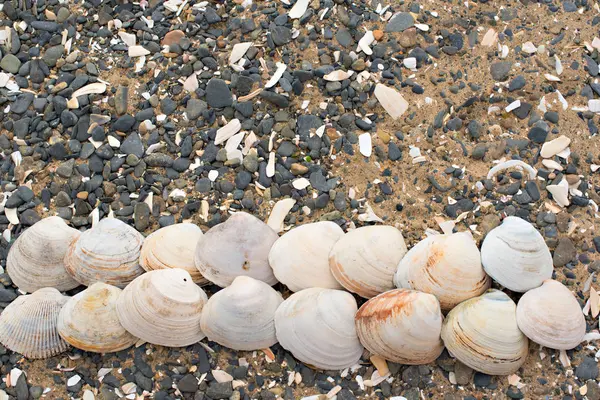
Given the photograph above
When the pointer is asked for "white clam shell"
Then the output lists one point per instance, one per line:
(317, 326)
(364, 260)
(88, 321)
(238, 246)
(28, 324)
(482, 333)
(108, 252)
(516, 256)
(447, 266)
(551, 316)
(241, 316)
(163, 307)
(36, 258)
(300, 258)
(402, 326)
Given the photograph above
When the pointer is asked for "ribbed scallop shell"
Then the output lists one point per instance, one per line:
(240, 316)
(163, 307)
(516, 256)
(551, 316)
(402, 326)
(172, 247)
(28, 324)
(108, 252)
(447, 266)
(364, 260)
(36, 258)
(317, 326)
(238, 246)
(88, 321)
(300, 258)
(482, 333)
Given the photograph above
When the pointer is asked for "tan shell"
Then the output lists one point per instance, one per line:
(36, 258)
(447, 266)
(317, 326)
(88, 321)
(108, 252)
(364, 260)
(238, 246)
(163, 307)
(402, 326)
(551, 316)
(172, 247)
(482, 333)
(300, 258)
(28, 324)
(240, 316)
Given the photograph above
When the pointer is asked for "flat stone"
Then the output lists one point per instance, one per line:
(400, 22)
(500, 70)
(218, 94)
(564, 253)
(10, 63)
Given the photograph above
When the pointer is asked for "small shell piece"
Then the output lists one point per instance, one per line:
(241, 316)
(88, 321)
(551, 316)
(172, 247)
(108, 252)
(28, 324)
(447, 266)
(238, 246)
(36, 258)
(317, 326)
(300, 258)
(364, 260)
(163, 307)
(402, 326)
(482, 333)
(516, 256)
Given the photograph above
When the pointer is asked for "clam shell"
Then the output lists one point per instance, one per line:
(163, 307)
(240, 316)
(238, 246)
(172, 247)
(402, 326)
(364, 260)
(447, 266)
(317, 326)
(482, 333)
(88, 321)
(28, 324)
(300, 258)
(551, 316)
(36, 258)
(516, 256)
(108, 252)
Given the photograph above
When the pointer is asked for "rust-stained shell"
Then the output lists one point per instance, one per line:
(108, 252)
(88, 321)
(364, 260)
(402, 326)
(28, 324)
(36, 258)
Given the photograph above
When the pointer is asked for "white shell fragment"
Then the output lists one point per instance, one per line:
(228, 131)
(365, 145)
(555, 146)
(137, 51)
(560, 192)
(365, 42)
(391, 100)
(281, 67)
(238, 51)
(92, 88)
(278, 214)
(338, 75)
(298, 9)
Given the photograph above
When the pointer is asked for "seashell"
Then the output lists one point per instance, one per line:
(172, 247)
(109, 252)
(36, 258)
(551, 316)
(317, 326)
(447, 266)
(239, 246)
(28, 324)
(516, 256)
(298, 9)
(482, 333)
(92, 88)
(338, 75)
(88, 321)
(391, 100)
(402, 326)
(281, 67)
(240, 316)
(300, 258)
(228, 131)
(163, 307)
(364, 260)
